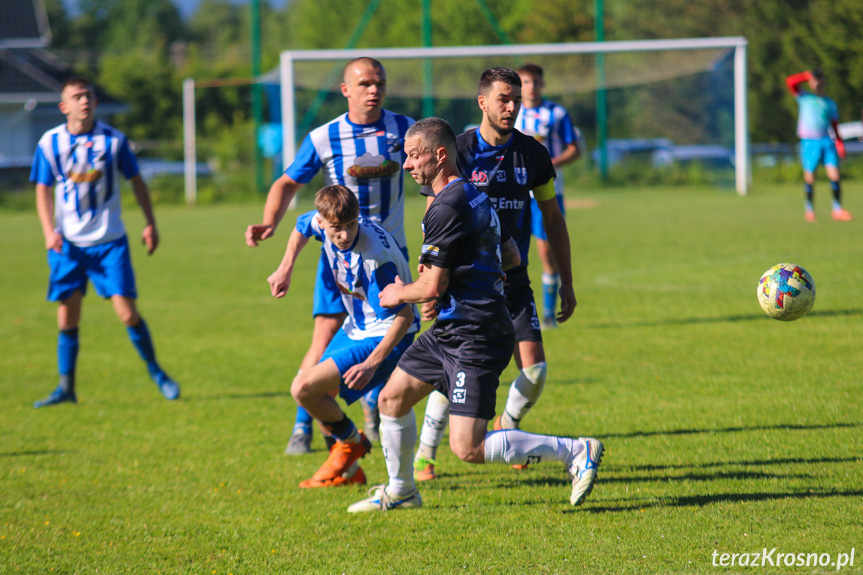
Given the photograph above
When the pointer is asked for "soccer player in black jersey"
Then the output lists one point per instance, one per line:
(464, 253)
(507, 165)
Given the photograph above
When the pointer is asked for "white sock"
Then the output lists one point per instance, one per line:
(434, 425)
(524, 392)
(516, 447)
(398, 439)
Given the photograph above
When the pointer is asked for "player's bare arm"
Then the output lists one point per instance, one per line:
(558, 242)
(45, 209)
(279, 198)
(280, 280)
(150, 236)
(510, 257)
(569, 154)
(430, 285)
(358, 376)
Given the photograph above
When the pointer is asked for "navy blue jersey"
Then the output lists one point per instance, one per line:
(507, 174)
(463, 234)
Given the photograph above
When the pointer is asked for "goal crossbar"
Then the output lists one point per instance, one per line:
(738, 44)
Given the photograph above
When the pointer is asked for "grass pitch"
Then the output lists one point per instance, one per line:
(726, 431)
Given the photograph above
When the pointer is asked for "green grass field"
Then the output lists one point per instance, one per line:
(726, 431)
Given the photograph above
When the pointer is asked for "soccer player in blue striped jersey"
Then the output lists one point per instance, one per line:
(362, 150)
(550, 124)
(363, 259)
(77, 169)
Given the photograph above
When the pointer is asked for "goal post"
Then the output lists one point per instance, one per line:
(448, 82)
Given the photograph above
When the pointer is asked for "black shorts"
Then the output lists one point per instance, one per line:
(522, 307)
(466, 370)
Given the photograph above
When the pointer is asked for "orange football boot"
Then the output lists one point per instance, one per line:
(342, 457)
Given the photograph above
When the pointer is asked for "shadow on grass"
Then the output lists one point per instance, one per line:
(36, 453)
(726, 319)
(220, 396)
(735, 429)
(704, 500)
(780, 461)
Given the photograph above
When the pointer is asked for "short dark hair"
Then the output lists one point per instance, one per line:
(492, 75)
(817, 73)
(77, 81)
(532, 69)
(337, 204)
(434, 133)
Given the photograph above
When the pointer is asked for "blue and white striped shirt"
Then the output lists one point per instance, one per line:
(550, 124)
(362, 271)
(84, 170)
(367, 158)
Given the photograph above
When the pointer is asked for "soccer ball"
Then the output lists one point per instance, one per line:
(786, 292)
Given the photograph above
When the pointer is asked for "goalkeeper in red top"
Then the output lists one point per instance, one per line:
(818, 114)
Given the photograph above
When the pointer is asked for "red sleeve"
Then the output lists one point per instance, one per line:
(794, 80)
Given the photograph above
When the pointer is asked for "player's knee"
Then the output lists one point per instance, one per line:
(467, 450)
(300, 389)
(533, 381)
(391, 403)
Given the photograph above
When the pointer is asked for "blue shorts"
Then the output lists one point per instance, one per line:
(536, 227)
(107, 265)
(814, 152)
(327, 299)
(347, 352)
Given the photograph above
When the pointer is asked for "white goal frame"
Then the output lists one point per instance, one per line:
(742, 170)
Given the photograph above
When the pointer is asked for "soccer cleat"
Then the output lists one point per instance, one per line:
(583, 469)
(353, 476)
(342, 457)
(424, 469)
(299, 444)
(57, 396)
(809, 215)
(497, 427)
(841, 215)
(169, 388)
(380, 500)
(548, 322)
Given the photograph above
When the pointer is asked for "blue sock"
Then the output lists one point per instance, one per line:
(303, 421)
(807, 188)
(342, 430)
(67, 357)
(550, 287)
(140, 336)
(837, 195)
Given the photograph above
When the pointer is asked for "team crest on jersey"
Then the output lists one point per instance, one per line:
(479, 178)
(369, 166)
(500, 176)
(521, 175)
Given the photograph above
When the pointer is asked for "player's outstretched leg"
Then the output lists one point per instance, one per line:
(523, 394)
(67, 357)
(140, 336)
(581, 457)
(434, 426)
(301, 435)
(398, 437)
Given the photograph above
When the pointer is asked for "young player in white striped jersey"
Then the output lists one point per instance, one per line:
(363, 259)
(361, 150)
(77, 168)
(549, 123)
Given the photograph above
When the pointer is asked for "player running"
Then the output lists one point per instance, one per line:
(363, 259)
(464, 253)
(507, 165)
(362, 150)
(818, 114)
